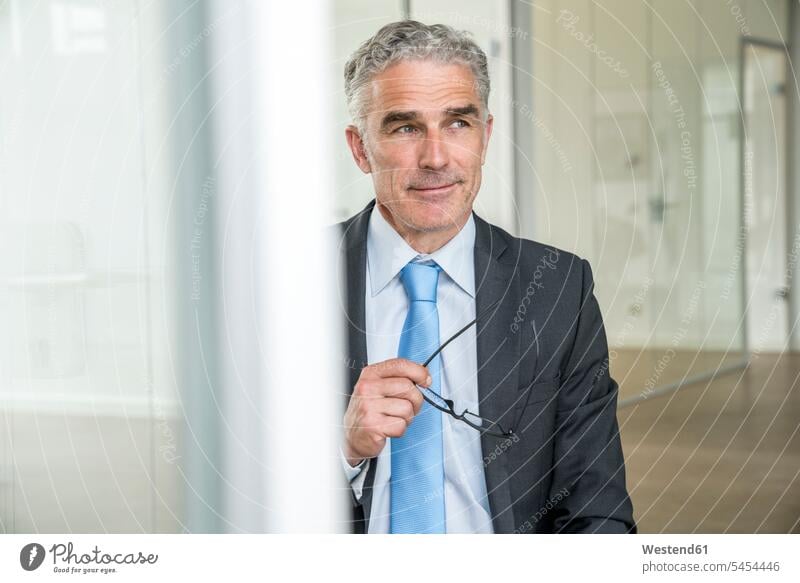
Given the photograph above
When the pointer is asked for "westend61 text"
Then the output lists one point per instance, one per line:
(670, 550)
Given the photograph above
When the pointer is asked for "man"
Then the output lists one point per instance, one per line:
(540, 449)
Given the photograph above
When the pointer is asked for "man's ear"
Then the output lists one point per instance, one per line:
(487, 134)
(357, 147)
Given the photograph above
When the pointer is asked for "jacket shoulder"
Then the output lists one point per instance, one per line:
(530, 252)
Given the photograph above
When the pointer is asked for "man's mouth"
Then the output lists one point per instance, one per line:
(434, 189)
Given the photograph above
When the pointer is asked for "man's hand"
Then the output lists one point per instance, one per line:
(384, 401)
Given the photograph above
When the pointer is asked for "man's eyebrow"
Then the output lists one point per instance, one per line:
(396, 116)
(468, 109)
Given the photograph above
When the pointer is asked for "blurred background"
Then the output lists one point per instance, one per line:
(148, 151)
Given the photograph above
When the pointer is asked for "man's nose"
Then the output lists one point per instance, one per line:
(434, 154)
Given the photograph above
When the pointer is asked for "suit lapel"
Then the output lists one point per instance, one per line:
(498, 358)
(355, 253)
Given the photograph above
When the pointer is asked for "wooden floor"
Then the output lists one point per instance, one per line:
(721, 456)
(641, 373)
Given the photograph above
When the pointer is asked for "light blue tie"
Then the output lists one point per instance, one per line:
(417, 480)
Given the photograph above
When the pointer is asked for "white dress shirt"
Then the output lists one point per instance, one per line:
(386, 306)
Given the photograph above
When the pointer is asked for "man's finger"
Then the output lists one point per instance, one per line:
(399, 387)
(400, 367)
(393, 426)
(398, 408)
(402, 388)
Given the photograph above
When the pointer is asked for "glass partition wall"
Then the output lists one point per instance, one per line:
(647, 102)
(90, 419)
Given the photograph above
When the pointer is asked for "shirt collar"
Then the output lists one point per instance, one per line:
(388, 253)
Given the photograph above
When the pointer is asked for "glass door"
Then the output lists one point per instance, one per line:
(764, 100)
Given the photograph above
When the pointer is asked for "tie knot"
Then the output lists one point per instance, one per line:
(420, 281)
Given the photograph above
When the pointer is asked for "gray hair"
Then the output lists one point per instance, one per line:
(410, 39)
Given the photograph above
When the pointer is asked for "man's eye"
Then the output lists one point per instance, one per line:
(465, 122)
(401, 128)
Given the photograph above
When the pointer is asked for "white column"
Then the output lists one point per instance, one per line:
(299, 318)
(279, 332)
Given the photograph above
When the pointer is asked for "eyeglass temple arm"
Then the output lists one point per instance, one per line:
(452, 412)
(457, 334)
(463, 417)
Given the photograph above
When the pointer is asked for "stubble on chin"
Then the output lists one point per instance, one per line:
(420, 217)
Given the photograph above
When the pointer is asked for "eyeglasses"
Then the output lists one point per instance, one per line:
(473, 420)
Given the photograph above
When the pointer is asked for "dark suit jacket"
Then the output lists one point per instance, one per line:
(542, 354)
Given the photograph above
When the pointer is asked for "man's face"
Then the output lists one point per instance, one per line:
(425, 144)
